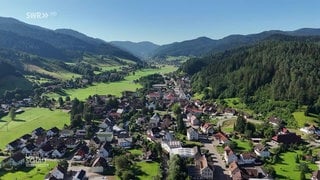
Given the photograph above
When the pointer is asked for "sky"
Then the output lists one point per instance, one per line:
(165, 21)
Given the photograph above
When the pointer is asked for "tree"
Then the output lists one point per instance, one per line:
(60, 101)
(68, 98)
(180, 124)
(302, 175)
(12, 113)
(297, 159)
(240, 125)
(176, 109)
(64, 164)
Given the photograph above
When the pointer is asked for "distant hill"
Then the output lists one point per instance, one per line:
(142, 50)
(284, 68)
(62, 44)
(203, 46)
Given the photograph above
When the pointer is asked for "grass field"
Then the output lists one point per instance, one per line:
(302, 119)
(35, 173)
(149, 169)
(237, 104)
(114, 88)
(28, 121)
(287, 168)
(227, 126)
(243, 145)
(136, 152)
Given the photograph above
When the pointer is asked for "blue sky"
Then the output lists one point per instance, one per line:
(166, 21)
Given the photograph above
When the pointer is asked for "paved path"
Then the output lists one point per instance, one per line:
(219, 165)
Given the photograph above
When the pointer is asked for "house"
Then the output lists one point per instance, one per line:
(45, 150)
(222, 138)
(81, 133)
(106, 135)
(98, 165)
(207, 128)
(286, 137)
(193, 119)
(168, 145)
(184, 152)
(53, 131)
(150, 105)
(58, 173)
(105, 149)
(14, 160)
(14, 145)
(71, 142)
(38, 132)
(66, 133)
(229, 155)
(82, 153)
(262, 151)
(28, 149)
(59, 152)
(312, 129)
(25, 138)
(40, 140)
(125, 142)
(316, 175)
(192, 134)
(80, 175)
(205, 171)
(154, 120)
(247, 158)
(95, 142)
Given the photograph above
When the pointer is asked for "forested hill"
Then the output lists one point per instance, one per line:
(275, 69)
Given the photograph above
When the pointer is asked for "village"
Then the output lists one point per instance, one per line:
(157, 124)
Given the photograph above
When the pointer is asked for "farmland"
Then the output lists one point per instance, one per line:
(29, 120)
(114, 88)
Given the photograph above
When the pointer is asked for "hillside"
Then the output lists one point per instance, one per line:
(204, 46)
(142, 50)
(281, 70)
(67, 45)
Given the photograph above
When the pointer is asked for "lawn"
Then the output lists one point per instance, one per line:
(28, 121)
(237, 104)
(35, 173)
(302, 119)
(227, 126)
(243, 145)
(114, 88)
(136, 152)
(287, 168)
(149, 169)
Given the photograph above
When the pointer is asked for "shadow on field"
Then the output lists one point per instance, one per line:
(19, 120)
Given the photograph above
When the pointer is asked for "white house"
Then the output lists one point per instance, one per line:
(66, 133)
(154, 120)
(261, 151)
(192, 134)
(184, 152)
(106, 135)
(247, 158)
(125, 142)
(168, 145)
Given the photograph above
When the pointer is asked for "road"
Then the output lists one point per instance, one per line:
(220, 171)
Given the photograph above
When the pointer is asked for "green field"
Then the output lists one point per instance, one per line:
(302, 119)
(149, 169)
(237, 104)
(242, 145)
(114, 88)
(136, 152)
(227, 126)
(29, 120)
(36, 173)
(287, 168)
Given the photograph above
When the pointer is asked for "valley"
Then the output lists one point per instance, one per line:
(238, 107)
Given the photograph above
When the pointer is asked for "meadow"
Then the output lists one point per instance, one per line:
(114, 88)
(35, 173)
(287, 168)
(29, 120)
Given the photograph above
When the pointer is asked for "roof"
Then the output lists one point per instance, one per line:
(190, 130)
(14, 143)
(260, 147)
(47, 147)
(81, 174)
(26, 136)
(221, 136)
(248, 155)
(100, 161)
(38, 131)
(30, 146)
(288, 138)
(316, 174)
(54, 129)
(18, 156)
